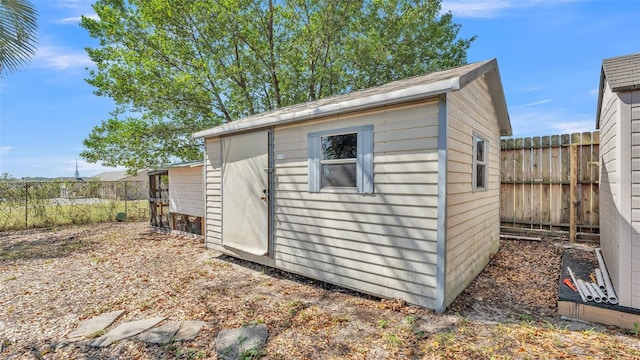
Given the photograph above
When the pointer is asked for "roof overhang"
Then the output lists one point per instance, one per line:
(188, 164)
(600, 94)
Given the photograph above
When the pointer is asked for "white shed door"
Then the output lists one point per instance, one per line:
(245, 179)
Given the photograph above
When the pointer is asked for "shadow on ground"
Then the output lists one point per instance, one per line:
(284, 275)
(45, 248)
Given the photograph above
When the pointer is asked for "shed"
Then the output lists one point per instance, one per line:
(391, 191)
(176, 197)
(186, 197)
(618, 118)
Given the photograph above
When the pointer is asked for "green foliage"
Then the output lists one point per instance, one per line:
(392, 339)
(174, 68)
(18, 30)
(526, 318)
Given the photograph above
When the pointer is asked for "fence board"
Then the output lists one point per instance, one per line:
(535, 191)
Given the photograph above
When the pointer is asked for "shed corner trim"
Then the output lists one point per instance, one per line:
(441, 247)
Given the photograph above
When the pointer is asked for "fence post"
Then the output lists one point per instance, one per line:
(573, 187)
(126, 213)
(26, 204)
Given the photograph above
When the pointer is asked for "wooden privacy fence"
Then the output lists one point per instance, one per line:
(551, 182)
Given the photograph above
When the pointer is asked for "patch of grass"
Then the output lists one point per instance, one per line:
(97, 333)
(45, 213)
(382, 323)
(526, 318)
(636, 329)
(10, 278)
(304, 316)
(254, 322)
(295, 307)
(178, 352)
(392, 339)
(462, 321)
(410, 320)
(251, 354)
(144, 305)
(551, 326)
(444, 338)
(341, 319)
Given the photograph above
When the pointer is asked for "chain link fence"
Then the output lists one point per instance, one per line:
(31, 204)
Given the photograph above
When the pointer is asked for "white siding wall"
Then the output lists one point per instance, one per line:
(213, 196)
(473, 219)
(609, 216)
(382, 243)
(635, 198)
(186, 191)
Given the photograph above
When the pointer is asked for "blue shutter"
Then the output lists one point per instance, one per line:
(365, 154)
(314, 163)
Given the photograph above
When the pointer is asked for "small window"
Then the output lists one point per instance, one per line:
(480, 147)
(341, 160)
(338, 163)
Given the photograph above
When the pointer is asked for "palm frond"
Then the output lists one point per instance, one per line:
(18, 30)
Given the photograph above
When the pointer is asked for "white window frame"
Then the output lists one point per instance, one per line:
(483, 162)
(364, 160)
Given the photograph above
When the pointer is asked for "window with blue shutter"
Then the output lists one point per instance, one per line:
(341, 159)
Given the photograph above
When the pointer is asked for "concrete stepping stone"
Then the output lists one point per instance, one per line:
(189, 330)
(90, 326)
(234, 343)
(125, 330)
(161, 334)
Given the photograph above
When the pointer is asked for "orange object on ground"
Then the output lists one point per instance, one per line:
(570, 285)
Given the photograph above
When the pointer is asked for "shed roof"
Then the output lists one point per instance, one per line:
(622, 73)
(410, 89)
(185, 164)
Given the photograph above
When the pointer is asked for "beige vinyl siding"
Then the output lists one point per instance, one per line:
(186, 191)
(635, 199)
(473, 219)
(213, 196)
(609, 216)
(382, 243)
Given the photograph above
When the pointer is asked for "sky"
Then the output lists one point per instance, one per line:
(549, 55)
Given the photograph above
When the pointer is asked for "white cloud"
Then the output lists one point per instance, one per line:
(60, 58)
(527, 122)
(476, 8)
(536, 103)
(73, 4)
(575, 126)
(75, 19)
(5, 149)
(593, 92)
(491, 9)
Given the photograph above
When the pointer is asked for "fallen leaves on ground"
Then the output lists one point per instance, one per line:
(52, 279)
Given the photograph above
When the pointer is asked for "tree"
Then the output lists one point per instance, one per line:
(18, 29)
(5, 176)
(178, 67)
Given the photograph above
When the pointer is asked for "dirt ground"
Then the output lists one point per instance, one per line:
(51, 279)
